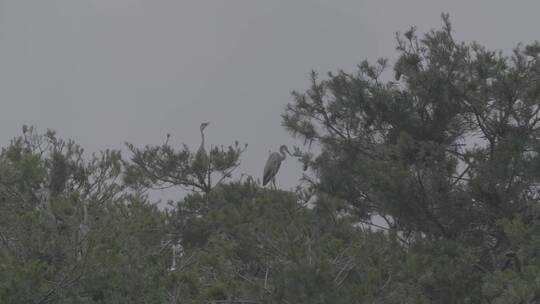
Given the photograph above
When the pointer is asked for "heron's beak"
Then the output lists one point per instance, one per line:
(287, 150)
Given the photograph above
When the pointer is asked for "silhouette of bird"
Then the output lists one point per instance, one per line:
(201, 153)
(201, 157)
(272, 165)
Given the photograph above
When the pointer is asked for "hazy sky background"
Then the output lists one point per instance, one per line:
(107, 71)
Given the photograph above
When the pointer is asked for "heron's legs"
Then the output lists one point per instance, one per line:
(274, 183)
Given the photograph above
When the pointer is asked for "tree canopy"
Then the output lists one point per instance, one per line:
(424, 189)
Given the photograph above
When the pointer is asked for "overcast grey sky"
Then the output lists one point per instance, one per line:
(107, 71)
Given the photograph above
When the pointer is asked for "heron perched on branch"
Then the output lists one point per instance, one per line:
(201, 157)
(272, 165)
(201, 153)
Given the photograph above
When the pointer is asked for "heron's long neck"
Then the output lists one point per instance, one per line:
(283, 155)
(202, 136)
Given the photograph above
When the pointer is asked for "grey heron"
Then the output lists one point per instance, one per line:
(201, 155)
(201, 148)
(201, 158)
(272, 165)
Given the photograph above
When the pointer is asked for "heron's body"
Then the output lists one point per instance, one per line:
(201, 158)
(272, 165)
(201, 153)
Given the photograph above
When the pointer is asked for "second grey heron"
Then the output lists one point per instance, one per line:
(272, 165)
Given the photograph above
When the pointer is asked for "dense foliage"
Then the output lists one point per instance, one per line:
(424, 190)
